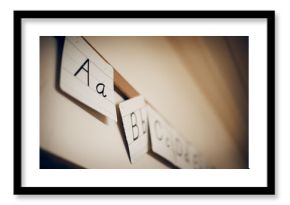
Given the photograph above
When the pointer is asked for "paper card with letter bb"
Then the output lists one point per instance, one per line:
(135, 123)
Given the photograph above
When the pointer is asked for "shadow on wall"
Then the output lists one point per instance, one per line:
(51, 161)
(219, 65)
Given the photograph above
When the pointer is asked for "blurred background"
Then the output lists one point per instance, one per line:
(199, 84)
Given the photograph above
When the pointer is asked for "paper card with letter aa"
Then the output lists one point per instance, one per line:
(135, 123)
(87, 77)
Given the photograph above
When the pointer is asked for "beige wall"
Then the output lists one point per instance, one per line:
(198, 84)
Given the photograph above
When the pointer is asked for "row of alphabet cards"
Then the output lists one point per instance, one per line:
(86, 76)
(142, 123)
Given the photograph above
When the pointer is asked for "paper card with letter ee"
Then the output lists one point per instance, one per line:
(183, 151)
(135, 123)
(186, 155)
(87, 77)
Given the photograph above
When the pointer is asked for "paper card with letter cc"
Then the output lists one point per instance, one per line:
(135, 122)
(87, 77)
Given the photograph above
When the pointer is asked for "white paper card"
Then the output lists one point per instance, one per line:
(87, 77)
(182, 151)
(199, 161)
(160, 135)
(169, 144)
(135, 122)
